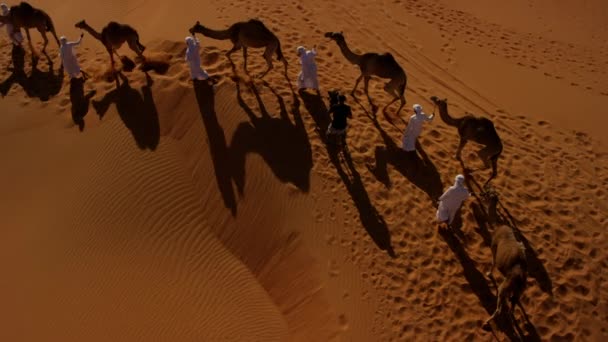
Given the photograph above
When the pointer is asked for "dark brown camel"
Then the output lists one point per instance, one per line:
(246, 34)
(26, 16)
(113, 36)
(375, 64)
(478, 129)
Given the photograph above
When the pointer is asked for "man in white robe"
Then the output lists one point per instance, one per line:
(414, 128)
(193, 58)
(307, 78)
(68, 59)
(451, 200)
(16, 37)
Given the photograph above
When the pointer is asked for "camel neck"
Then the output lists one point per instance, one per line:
(350, 56)
(215, 34)
(445, 116)
(92, 32)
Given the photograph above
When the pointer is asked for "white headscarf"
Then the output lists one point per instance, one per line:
(300, 50)
(417, 109)
(5, 9)
(459, 181)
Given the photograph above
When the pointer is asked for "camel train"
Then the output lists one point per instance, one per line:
(508, 254)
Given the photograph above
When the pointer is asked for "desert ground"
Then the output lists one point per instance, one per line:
(171, 210)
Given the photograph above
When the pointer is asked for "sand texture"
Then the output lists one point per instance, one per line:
(164, 209)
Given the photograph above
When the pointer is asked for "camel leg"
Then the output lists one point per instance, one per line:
(55, 35)
(268, 56)
(463, 142)
(366, 89)
(29, 40)
(230, 52)
(44, 37)
(352, 93)
(245, 60)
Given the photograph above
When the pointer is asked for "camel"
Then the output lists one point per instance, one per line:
(374, 64)
(478, 129)
(246, 34)
(26, 16)
(509, 256)
(113, 36)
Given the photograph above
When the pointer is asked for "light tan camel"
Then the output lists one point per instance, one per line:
(113, 36)
(246, 34)
(477, 129)
(25, 16)
(375, 64)
(509, 256)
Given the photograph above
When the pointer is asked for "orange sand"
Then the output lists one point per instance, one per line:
(180, 213)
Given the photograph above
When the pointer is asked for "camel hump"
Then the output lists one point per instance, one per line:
(23, 8)
(25, 5)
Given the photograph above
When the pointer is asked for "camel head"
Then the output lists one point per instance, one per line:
(196, 28)
(439, 102)
(337, 36)
(81, 24)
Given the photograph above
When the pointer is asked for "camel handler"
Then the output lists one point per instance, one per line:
(451, 200)
(193, 58)
(414, 128)
(338, 126)
(68, 59)
(307, 78)
(16, 37)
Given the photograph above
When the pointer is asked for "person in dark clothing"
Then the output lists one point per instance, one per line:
(341, 112)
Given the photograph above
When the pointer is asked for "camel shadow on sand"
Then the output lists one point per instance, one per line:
(371, 219)
(38, 84)
(479, 285)
(283, 144)
(137, 111)
(536, 269)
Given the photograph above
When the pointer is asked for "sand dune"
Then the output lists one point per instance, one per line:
(169, 210)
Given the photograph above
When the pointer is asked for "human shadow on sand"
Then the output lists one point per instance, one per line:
(137, 111)
(80, 101)
(418, 169)
(371, 219)
(38, 84)
(283, 144)
(218, 146)
(487, 298)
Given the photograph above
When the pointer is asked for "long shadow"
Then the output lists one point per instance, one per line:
(283, 145)
(536, 269)
(137, 111)
(418, 169)
(371, 219)
(39, 84)
(80, 101)
(479, 285)
(224, 170)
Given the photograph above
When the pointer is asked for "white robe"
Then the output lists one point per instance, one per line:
(193, 58)
(450, 201)
(70, 64)
(16, 37)
(307, 78)
(413, 130)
